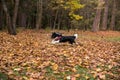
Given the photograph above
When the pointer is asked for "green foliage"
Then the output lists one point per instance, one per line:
(3, 76)
(20, 72)
(83, 72)
(114, 70)
(114, 39)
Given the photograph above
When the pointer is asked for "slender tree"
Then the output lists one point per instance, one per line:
(96, 23)
(15, 14)
(105, 15)
(8, 18)
(39, 14)
(56, 17)
(1, 17)
(112, 23)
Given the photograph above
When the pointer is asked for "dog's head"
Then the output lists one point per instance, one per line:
(54, 35)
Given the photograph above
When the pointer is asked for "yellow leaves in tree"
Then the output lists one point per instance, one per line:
(60, 1)
(73, 6)
(70, 5)
(76, 17)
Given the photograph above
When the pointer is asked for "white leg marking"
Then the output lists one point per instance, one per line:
(54, 42)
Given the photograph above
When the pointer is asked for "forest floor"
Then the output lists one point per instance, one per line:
(30, 56)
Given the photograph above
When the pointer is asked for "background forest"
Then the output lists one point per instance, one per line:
(92, 15)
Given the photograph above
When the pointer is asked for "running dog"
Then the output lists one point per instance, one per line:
(61, 39)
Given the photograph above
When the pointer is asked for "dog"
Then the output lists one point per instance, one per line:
(62, 39)
(55, 34)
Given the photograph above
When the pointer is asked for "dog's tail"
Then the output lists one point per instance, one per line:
(76, 36)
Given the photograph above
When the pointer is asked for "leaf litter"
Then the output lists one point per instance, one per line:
(31, 56)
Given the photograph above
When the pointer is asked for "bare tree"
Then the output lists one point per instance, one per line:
(112, 23)
(39, 14)
(8, 18)
(15, 14)
(105, 15)
(11, 21)
(55, 21)
(1, 17)
(97, 18)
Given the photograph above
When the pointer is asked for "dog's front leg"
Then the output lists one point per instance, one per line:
(54, 41)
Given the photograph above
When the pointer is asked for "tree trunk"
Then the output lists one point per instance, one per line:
(15, 14)
(55, 21)
(39, 15)
(60, 19)
(50, 22)
(23, 15)
(22, 19)
(1, 18)
(96, 23)
(59, 23)
(105, 15)
(8, 18)
(112, 23)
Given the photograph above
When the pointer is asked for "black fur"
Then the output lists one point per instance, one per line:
(54, 35)
(70, 39)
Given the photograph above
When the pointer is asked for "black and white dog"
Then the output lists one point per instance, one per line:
(58, 38)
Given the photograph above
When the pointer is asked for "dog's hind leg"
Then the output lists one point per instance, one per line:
(71, 41)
